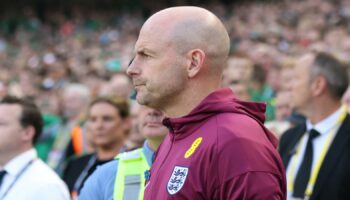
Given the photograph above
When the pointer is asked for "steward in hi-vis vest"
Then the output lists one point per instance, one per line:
(130, 178)
(125, 176)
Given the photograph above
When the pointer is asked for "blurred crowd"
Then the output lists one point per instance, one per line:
(63, 63)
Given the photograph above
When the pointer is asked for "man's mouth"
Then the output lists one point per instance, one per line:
(138, 83)
(153, 124)
(137, 87)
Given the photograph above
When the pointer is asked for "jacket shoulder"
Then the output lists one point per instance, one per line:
(232, 126)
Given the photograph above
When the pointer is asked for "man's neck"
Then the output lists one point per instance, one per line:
(108, 153)
(154, 143)
(187, 102)
(322, 111)
(6, 158)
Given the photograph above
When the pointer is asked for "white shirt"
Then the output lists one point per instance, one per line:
(37, 182)
(324, 127)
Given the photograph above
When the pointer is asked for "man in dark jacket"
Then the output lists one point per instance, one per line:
(218, 147)
(317, 153)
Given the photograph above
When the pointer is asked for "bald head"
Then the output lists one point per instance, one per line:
(179, 58)
(190, 28)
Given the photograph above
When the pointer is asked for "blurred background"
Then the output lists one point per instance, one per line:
(62, 54)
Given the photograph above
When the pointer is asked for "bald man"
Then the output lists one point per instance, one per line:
(218, 147)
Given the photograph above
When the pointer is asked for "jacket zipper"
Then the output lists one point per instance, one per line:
(166, 157)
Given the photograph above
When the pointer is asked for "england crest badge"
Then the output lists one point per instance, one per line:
(177, 179)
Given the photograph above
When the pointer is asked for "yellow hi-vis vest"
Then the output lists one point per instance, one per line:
(130, 178)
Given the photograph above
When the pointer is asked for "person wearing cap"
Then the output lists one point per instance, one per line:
(124, 177)
(22, 174)
(218, 147)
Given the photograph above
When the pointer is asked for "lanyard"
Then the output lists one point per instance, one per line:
(17, 177)
(82, 176)
(316, 169)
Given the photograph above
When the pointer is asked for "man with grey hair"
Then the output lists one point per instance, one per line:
(75, 100)
(218, 147)
(317, 154)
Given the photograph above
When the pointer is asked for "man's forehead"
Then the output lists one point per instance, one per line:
(144, 47)
(154, 32)
(10, 110)
(306, 60)
(143, 41)
(104, 109)
(151, 44)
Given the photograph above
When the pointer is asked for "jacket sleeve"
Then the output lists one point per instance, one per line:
(252, 186)
(247, 164)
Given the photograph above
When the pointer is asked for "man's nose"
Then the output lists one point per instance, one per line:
(99, 124)
(132, 68)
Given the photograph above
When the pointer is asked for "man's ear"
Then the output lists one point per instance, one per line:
(196, 58)
(319, 85)
(28, 133)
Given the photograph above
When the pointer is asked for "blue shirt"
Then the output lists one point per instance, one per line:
(100, 185)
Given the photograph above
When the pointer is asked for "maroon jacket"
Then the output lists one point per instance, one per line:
(220, 150)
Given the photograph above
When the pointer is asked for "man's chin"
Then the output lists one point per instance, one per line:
(142, 100)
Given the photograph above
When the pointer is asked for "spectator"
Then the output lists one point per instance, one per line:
(108, 125)
(136, 138)
(260, 91)
(23, 175)
(71, 140)
(316, 154)
(120, 84)
(238, 68)
(129, 168)
(283, 113)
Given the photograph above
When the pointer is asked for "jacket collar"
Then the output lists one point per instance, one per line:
(219, 101)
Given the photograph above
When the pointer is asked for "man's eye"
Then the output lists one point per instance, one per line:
(92, 119)
(107, 118)
(144, 55)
